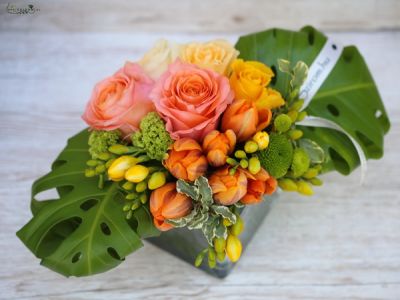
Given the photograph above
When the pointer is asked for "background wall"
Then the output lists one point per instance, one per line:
(343, 243)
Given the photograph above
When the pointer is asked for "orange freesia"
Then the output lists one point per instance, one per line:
(228, 189)
(258, 185)
(186, 160)
(167, 203)
(217, 146)
(245, 119)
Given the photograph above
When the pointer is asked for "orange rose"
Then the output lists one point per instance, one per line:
(217, 146)
(258, 185)
(228, 189)
(186, 160)
(245, 119)
(167, 203)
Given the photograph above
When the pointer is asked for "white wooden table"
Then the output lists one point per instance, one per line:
(343, 243)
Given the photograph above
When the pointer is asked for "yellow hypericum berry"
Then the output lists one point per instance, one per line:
(136, 173)
(287, 184)
(237, 228)
(240, 154)
(219, 244)
(157, 179)
(254, 165)
(301, 116)
(304, 188)
(221, 256)
(316, 181)
(118, 149)
(262, 139)
(244, 163)
(117, 169)
(251, 147)
(127, 186)
(233, 248)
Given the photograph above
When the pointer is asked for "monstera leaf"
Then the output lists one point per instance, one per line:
(348, 97)
(84, 231)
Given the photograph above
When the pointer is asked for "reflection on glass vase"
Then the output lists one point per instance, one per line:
(186, 244)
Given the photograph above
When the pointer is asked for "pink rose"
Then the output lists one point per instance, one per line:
(191, 99)
(120, 101)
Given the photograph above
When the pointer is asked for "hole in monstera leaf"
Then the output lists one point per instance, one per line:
(88, 204)
(333, 110)
(339, 162)
(334, 47)
(57, 164)
(56, 235)
(113, 253)
(378, 113)
(54, 193)
(76, 257)
(105, 229)
(373, 150)
(275, 78)
(311, 37)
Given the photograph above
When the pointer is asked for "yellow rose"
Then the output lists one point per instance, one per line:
(249, 80)
(215, 55)
(156, 61)
(270, 98)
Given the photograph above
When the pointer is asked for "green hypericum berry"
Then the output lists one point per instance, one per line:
(199, 258)
(143, 198)
(130, 196)
(90, 173)
(244, 163)
(128, 186)
(287, 184)
(118, 149)
(254, 165)
(212, 258)
(126, 207)
(304, 188)
(297, 105)
(221, 256)
(219, 244)
(157, 179)
(231, 161)
(282, 123)
(301, 116)
(300, 163)
(129, 215)
(109, 162)
(141, 186)
(135, 204)
(316, 181)
(237, 228)
(100, 169)
(251, 147)
(293, 115)
(92, 163)
(295, 134)
(240, 154)
(311, 173)
(104, 156)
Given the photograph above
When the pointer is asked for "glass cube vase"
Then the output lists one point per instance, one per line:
(186, 244)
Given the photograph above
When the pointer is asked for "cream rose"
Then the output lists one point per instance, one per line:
(216, 55)
(156, 61)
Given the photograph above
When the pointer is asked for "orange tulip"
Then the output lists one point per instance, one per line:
(167, 203)
(228, 189)
(245, 119)
(258, 185)
(186, 160)
(217, 146)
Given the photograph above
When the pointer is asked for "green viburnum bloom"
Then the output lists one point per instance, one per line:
(100, 141)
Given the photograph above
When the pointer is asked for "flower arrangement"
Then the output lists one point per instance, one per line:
(190, 135)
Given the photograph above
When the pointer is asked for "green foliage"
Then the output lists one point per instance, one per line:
(314, 151)
(205, 215)
(83, 232)
(348, 97)
(99, 141)
(152, 137)
(276, 159)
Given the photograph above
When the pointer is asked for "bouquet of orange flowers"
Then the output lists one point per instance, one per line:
(187, 137)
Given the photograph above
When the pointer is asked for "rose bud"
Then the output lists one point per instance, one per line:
(167, 203)
(258, 185)
(228, 189)
(186, 160)
(217, 146)
(245, 119)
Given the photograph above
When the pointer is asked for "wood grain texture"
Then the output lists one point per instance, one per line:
(343, 243)
(201, 16)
